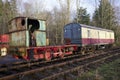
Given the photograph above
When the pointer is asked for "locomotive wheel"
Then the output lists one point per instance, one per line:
(62, 55)
(62, 52)
(48, 56)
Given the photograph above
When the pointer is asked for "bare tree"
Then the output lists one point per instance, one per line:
(117, 13)
(28, 10)
(35, 9)
(8, 10)
(65, 8)
(57, 22)
(63, 16)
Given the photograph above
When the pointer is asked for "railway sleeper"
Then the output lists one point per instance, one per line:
(69, 67)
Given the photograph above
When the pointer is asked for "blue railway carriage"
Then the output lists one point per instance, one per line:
(89, 37)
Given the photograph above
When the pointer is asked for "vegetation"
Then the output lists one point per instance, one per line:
(8, 10)
(82, 16)
(106, 15)
(106, 72)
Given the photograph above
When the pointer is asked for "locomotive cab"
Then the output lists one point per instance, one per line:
(37, 33)
(25, 33)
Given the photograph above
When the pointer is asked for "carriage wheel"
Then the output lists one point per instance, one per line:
(83, 51)
(93, 49)
(48, 56)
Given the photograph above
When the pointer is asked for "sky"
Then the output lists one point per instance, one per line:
(90, 5)
(50, 4)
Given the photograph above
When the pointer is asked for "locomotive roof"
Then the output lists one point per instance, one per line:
(92, 27)
(25, 17)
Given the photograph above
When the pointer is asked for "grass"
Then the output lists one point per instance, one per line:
(109, 71)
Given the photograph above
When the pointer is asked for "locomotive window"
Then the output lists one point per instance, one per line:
(23, 22)
(65, 31)
(33, 25)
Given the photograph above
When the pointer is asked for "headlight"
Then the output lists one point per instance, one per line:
(3, 51)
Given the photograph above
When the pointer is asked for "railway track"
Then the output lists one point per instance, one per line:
(56, 67)
(22, 64)
(78, 65)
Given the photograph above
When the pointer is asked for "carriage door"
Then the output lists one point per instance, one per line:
(98, 40)
(67, 36)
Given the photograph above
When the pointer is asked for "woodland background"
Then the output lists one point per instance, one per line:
(106, 16)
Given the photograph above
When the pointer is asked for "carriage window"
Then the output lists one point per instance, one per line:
(88, 31)
(98, 34)
(110, 36)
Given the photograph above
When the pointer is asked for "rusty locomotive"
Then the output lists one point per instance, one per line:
(27, 40)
